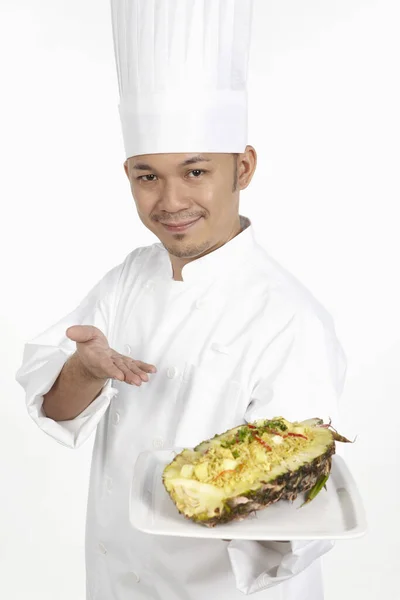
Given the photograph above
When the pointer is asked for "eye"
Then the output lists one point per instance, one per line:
(197, 171)
(141, 178)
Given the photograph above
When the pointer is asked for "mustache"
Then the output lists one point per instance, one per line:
(175, 219)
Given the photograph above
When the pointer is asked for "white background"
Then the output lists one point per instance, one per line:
(324, 119)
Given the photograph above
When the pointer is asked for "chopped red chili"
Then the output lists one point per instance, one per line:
(263, 443)
(300, 435)
(239, 468)
(274, 432)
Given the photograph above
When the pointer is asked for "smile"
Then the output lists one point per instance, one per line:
(179, 228)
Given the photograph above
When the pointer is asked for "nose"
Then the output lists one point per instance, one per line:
(173, 198)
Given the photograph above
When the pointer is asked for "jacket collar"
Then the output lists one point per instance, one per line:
(218, 263)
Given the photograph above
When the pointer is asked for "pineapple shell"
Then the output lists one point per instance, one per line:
(239, 493)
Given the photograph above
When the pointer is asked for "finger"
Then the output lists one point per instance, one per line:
(117, 374)
(135, 366)
(146, 366)
(111, 370)
(129, 375)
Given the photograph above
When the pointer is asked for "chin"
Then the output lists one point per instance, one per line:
(187, 250)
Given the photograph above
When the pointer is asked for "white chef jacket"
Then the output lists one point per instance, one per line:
(238, 339)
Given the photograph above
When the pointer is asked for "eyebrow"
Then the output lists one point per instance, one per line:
(189, 161)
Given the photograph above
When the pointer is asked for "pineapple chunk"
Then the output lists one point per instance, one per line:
(187, 471)
(299, 430)
(201, 471)
(229, 465)
(277, 439)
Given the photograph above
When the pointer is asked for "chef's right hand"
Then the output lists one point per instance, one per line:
(102, 362)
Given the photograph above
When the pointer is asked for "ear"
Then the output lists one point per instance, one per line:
(247, 166)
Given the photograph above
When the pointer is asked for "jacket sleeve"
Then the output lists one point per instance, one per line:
(301, 375)
(45, 356)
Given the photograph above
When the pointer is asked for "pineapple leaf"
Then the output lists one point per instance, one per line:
(316, 489)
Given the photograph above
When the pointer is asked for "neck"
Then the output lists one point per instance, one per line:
(178, 262)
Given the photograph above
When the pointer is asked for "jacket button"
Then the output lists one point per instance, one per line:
(127, 349)
(158, 443)
(149, 285)
(116, 418)
(102, 548)
(172, 372)
(135, 577)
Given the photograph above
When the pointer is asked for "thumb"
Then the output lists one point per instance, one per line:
(82, 333)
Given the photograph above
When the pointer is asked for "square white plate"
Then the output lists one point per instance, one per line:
(336, 513)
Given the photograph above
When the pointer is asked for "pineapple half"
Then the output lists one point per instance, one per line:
(250, 467)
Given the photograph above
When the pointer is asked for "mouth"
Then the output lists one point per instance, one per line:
(176, 228)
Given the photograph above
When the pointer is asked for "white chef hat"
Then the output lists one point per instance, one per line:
(182, 74)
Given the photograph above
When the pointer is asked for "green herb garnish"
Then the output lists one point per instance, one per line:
(277, 424)
(243, 434)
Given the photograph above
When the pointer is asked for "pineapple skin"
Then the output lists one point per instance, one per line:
(284, 487)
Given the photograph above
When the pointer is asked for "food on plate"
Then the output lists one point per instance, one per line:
(249, 467)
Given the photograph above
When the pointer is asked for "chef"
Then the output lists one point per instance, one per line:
(189, 336)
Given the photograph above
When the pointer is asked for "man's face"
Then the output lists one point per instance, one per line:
(176, 188)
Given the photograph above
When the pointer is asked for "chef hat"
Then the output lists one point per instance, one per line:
(182, 74)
